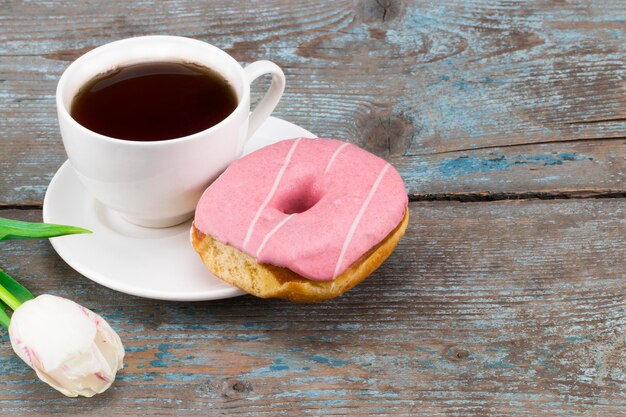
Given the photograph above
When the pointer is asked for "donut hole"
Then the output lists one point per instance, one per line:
(298, 199)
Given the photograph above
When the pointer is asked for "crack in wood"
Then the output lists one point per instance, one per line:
(514, 145)
(596, 121)
(469, 197)
(483, 196)
(29, 206)
(384, 9)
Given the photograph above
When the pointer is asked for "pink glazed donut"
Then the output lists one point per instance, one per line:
(303, 219)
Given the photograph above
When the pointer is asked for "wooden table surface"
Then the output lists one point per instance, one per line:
(507, 295)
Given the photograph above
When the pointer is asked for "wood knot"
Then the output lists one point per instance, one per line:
(379, 11)
(386, 135)
(234, 388)
(457, 354)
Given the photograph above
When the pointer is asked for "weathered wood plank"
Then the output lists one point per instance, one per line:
(503, 308)
(454, 94)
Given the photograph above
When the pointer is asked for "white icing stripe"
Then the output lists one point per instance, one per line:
(332, 158)
(280, 174)
(357, 219)
(271, 233)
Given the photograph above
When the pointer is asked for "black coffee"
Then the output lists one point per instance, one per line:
(154, 101)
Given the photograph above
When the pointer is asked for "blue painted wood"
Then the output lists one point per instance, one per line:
(502, 308)
(505, 308)
(431, 87)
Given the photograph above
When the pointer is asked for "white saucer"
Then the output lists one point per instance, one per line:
(152, 263)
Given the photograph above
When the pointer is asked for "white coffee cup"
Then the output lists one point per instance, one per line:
(158, 183)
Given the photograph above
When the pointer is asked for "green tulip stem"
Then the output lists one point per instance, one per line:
(4, 317)
(9, 299)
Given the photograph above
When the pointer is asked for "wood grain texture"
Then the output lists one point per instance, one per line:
(505, 308)
(508, 308)
(464, 97)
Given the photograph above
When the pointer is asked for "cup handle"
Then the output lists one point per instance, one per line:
(271, 98)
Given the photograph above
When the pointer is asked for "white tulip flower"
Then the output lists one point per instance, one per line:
(70, 347)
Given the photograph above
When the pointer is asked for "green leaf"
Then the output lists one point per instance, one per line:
(4, 317)
(14, 288)
(15, 229)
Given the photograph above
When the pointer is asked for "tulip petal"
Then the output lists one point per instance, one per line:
(51, 326)
(55, 384)
(110, 345)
